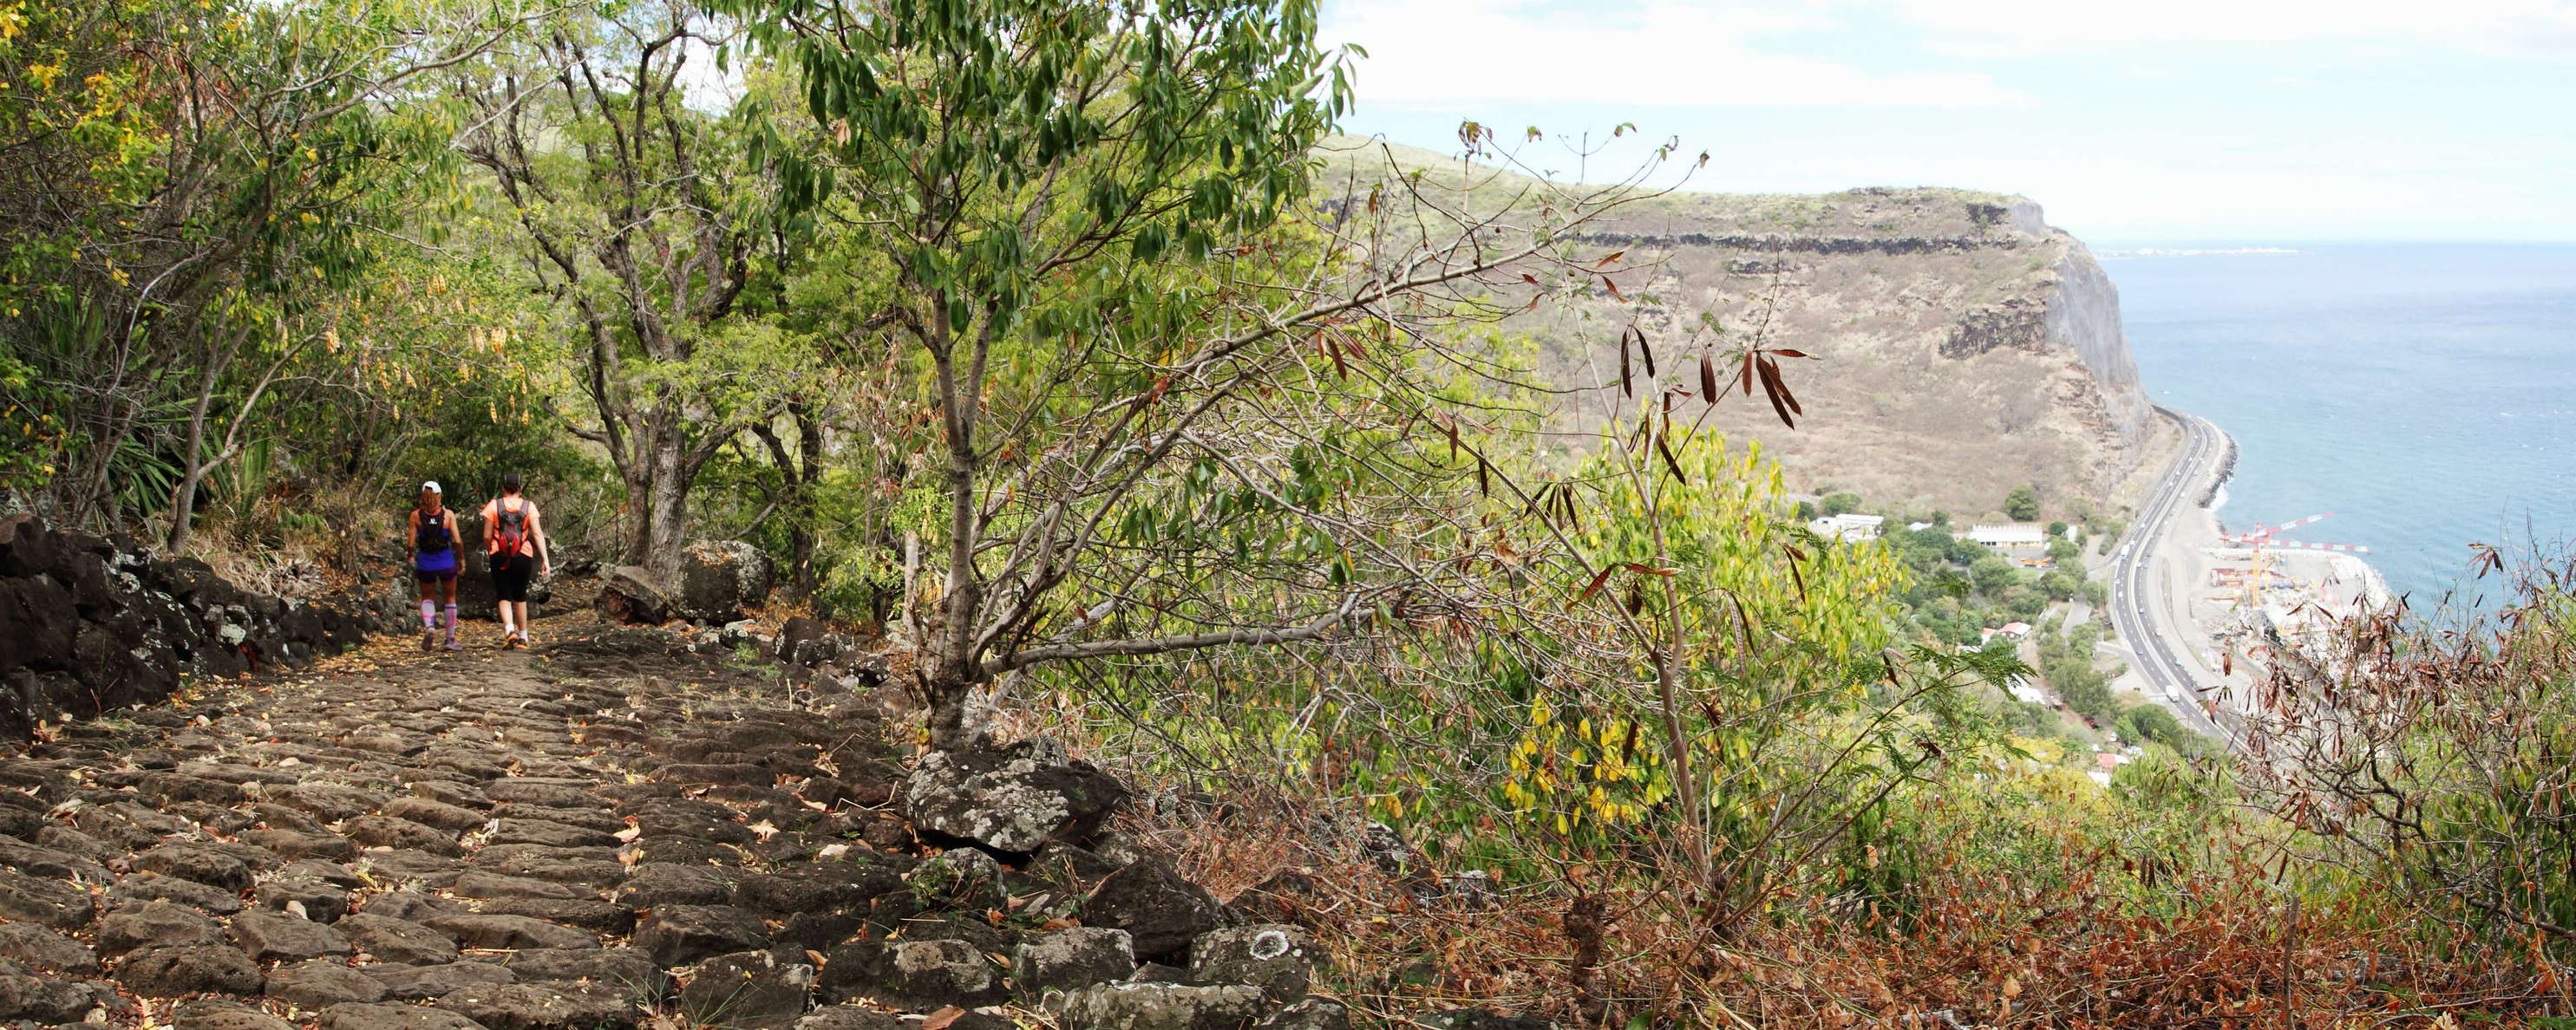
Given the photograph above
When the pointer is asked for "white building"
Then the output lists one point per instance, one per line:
(1848, 526)
(2009, 534)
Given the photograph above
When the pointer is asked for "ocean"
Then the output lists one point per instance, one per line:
(2424, 393)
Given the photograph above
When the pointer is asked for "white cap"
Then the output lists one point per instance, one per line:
(432, 486)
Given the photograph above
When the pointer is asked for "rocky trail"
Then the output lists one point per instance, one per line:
(621, 828)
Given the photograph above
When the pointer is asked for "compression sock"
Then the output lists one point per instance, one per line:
(428, 616)
(451, 622)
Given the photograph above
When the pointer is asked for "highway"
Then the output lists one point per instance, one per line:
(2142, 604)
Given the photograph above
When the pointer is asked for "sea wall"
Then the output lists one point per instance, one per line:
(90, 624)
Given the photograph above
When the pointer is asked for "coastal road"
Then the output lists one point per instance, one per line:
(2142, 605)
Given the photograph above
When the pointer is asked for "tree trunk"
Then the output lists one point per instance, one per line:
(800, 531)
(666, 521)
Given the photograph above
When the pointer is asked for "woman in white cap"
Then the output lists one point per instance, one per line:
(433, 564)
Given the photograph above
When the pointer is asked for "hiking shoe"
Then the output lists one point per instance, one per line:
(452, 645)
(428, 640)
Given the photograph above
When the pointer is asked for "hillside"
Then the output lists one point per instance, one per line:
(1964, 346)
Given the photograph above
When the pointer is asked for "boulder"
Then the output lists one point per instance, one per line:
(1275, 957)
(1159, 909)
(1154, 1006)
(628, 594)
(808, 642)
(1013, 800)
(719, 578)
(1068, 959)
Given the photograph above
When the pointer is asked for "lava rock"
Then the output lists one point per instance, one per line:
(360, 1016)
(913, 973)
(37, 948)
(656, 884)
(476, 930)
(1013, 800)
(197, 863)
(53, 903)
(156, 924)
(385, 831)
(1485, 1019)
(152, 887)
(850, 1017)
(682, 934)
(629, 594)
(321, 982)
(1067, 959)
(219, 1015)
(168, 972)
(396, 941)
(1154, 1006)
(1310, 1014)
(278, 937)
(420, 983)
(320, 902)
(557, 1006)
(751, 990)
(627, 968)
(24, 995)
(718, 578)
(1162, 911)
(1273, 957)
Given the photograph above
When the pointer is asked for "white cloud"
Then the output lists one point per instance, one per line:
(1700, 55)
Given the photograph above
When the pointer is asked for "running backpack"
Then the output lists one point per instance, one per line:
(433, 534)
(510, 528)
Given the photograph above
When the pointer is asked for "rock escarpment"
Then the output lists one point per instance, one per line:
(1963, 346)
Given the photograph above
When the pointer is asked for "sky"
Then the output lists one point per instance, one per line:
(2245, 121)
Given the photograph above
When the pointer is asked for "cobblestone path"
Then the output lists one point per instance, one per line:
(602, 833)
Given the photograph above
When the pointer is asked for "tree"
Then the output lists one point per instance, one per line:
(1840, 502)
(636, 212)
(2022, 504)
(2151, 723)
(1993, 574)
(187, 184)
(1155, 372)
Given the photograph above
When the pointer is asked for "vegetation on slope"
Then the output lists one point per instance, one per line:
(1030, 336)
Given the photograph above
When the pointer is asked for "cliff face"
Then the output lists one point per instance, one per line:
(1963, 346)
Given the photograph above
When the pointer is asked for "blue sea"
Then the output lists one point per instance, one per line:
(2424, 393)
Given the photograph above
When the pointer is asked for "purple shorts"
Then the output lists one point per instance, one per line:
(433, 566)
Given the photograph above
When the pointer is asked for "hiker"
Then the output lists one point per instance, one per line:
(516, 532)
(433, 562)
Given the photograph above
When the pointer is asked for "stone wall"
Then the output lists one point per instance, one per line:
(90, 624)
